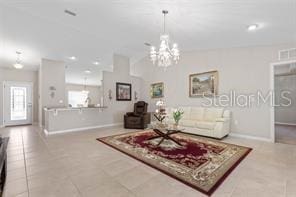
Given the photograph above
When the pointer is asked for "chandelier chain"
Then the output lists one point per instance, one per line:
(163, 23)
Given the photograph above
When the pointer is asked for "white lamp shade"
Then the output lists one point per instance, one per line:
(18, 66)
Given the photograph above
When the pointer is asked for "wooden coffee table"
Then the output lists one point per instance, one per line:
(165, 134)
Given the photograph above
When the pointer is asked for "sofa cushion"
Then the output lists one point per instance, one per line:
(187, 111)
(205, 125)
(197, 113)
(187, 123)
(211, 114)
(169, 112)
(203, 132)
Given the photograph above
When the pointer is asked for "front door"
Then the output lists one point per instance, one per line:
(17, 103)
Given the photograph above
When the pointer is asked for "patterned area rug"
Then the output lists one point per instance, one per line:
(201, 163)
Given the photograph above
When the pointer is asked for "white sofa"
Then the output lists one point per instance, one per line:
(211, 122)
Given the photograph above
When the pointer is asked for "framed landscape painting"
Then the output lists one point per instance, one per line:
(203, 84)
(157, 90)
(123, 92)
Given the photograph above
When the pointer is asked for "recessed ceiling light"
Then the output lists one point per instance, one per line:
(96, 63)
(72, 58)
(18, 66)
(253, 27)
(87, 71)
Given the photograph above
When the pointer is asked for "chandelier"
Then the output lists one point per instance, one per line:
(165, 55)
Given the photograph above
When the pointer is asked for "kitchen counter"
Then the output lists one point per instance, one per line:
(61, 120)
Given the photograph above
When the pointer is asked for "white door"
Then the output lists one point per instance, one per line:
(17, 103)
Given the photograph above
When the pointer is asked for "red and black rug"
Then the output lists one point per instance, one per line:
(200, 162)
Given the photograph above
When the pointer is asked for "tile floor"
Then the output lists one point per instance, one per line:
(75, 164)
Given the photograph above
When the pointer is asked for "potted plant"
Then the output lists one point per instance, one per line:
(177, 114)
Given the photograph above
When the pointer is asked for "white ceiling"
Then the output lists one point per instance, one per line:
(41, 29)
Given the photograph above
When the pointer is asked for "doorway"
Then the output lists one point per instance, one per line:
(18, 103)
(284, 112)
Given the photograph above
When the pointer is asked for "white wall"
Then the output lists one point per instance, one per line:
(245, 70)
(286, 115)
(22, 76)
(51, 73)
(121, 73)
(95, 92)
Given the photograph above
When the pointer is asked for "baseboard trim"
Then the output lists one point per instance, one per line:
(250, 137)
(46, 132)
(35, 123)
(283, 123)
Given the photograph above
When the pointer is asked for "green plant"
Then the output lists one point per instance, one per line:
(177, 114)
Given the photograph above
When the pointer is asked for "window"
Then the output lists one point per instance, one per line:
(77, 98)
(18, 110)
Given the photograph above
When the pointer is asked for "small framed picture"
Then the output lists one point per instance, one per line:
(157, 90)
(203, 84)
(123, 91)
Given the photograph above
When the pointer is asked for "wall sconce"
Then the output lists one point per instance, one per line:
(55, 112)
(136, 95)
(110, 95)
(52, 90)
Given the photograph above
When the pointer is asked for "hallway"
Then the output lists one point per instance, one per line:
(285, 134)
